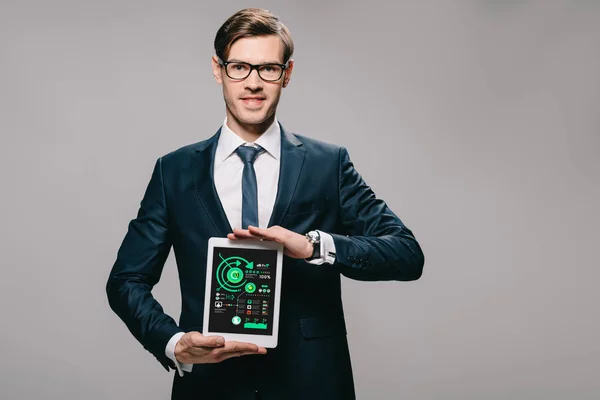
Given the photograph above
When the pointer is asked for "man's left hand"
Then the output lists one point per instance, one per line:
(294, 244)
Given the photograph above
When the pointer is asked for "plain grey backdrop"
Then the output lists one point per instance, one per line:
(477, 121)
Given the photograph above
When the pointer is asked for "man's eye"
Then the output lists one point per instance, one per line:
(238, 67)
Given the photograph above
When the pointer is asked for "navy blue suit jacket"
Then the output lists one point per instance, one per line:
(318, 189)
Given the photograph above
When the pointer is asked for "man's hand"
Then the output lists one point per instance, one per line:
(294, 244)
(195, 348)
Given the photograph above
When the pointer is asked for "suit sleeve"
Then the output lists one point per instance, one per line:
(138, 267)
(375, 244)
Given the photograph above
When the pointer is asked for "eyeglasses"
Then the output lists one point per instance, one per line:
(241, 70)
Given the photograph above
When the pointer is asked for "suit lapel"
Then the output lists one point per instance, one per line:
(205, 185)
(292, 159)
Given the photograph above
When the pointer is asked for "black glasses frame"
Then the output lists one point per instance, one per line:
(254, 67)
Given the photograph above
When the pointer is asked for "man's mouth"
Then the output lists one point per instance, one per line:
(252, 100)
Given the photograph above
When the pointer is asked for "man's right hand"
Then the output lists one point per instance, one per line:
(195, 348)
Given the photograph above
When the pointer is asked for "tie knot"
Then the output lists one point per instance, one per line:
(248, 154)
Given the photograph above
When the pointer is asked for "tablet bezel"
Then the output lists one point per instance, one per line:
(268, 341)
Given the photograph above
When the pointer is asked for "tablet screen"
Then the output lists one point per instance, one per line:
(243, 291)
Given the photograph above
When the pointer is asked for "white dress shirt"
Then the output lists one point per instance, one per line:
(228, 169)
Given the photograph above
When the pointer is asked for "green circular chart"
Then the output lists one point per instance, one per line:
(250, 287)
(235, 275)
(230, 273)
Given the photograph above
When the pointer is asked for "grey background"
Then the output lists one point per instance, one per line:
(477, 121)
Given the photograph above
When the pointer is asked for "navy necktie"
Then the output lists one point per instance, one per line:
(249, 186)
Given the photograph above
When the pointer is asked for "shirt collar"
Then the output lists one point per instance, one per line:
(229, 141)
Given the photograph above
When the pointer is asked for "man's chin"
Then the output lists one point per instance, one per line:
(257, 119)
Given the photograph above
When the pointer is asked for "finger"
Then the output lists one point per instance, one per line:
(243, 233)
(233, 347)
(239, 346)
(255, 230)
(236, 349)
(233, 236)
(269, 234)
(207, 341)
(261, 233)
(225, 356)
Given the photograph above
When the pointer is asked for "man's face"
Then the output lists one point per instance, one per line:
(253, 101)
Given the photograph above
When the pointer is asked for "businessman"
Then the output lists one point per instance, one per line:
(251, 180)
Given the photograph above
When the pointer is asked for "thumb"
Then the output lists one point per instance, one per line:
(199, 340)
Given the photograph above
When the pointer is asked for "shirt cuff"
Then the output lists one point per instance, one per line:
(327, 250)
(170, 352)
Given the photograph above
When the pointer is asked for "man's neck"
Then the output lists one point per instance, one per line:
(248, 132)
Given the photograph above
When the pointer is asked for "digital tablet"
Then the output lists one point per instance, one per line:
(243, 290)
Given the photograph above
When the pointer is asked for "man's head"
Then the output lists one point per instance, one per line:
(252, 37)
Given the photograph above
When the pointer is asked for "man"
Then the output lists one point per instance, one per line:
(255, 180)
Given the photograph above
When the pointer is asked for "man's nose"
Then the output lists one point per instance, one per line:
(253, 81)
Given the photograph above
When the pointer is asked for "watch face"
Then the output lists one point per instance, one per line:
(315, 240)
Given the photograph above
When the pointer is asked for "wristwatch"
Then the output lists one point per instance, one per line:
(315, 239)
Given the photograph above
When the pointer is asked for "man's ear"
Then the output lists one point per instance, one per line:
(217, 70)
(288, 73)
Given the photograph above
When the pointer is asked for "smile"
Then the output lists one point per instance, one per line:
(252, 101)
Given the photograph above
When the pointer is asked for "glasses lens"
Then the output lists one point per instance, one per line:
(270, 72)
(238, 70)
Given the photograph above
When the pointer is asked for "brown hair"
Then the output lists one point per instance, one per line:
(251, 22)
